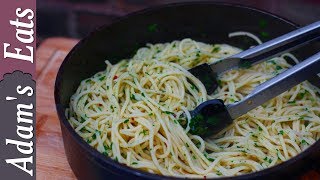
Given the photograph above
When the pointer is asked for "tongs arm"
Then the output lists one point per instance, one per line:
(272, 48)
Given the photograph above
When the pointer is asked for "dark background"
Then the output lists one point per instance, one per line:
(75, 18)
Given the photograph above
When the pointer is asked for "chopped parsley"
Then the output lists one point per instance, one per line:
(301, 95)
(198, 54)
(268, 159)
(272, 61)
(132, 97)
(134, 163)
(108, 148)
(126, 121)
(215, 49)
(82, 120)
(260, 129)
(255, 136)
(144, 132)
(278, 67)
(94, 136)
(304, 142)
(152, 27)
(143, 94)
(245, 64)
(281, 132)
(209, 158)
(264, 34)
(102, 78)
(262, 23)
(168, 112)
(291, 102)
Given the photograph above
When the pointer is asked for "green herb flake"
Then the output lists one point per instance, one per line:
(144, 132)
(82, 120)
(304, 142)
(153, 27)
(291, 102)
(215, 49)
(262, 23)
(301, 95)
(272, 61)
(260, 129)
(143, 94)
(132, 97)
(245, 64)
(126, 121)
(278, 67)
(255, 136)
(264, 34)
(168, 112)
(102, 78)
(281, 132)
(198, 125)
(134, 163)
(209, 158)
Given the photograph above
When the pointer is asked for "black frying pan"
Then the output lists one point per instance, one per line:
(203, 21)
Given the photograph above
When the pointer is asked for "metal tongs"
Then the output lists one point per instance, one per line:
(212, 116)
(257, 54)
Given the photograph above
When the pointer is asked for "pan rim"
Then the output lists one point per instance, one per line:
(102, 160)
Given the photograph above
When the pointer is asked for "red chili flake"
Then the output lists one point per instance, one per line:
(115, 77)
(204, 177)
(174, 115)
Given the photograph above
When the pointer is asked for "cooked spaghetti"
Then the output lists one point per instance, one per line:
(132, 112)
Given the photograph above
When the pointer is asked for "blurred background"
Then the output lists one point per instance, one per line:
(75, 18)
